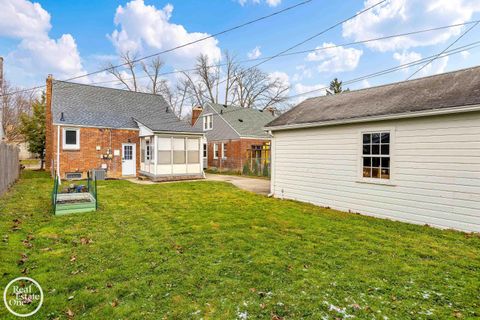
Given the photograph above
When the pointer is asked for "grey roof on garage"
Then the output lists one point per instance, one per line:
(452, 89)
(87, 105)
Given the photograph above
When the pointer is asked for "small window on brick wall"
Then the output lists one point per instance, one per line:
(71, 138)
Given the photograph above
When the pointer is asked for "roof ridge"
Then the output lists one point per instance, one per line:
(399, 82)
(109, 88)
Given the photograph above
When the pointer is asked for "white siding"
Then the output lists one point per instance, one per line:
(435, 170)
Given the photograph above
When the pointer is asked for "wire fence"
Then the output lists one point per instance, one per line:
(9, 165)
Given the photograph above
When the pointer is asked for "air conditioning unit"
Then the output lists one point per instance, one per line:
(99, 174)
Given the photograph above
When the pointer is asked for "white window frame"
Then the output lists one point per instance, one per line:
(360, 177)
(204, 150)
(223, 151)
(208, 122)
(66, 146)
(215, 151)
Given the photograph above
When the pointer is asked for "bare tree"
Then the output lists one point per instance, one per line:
(13, 106)
(129, 61)
(256, 89)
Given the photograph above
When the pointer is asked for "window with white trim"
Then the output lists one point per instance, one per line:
(208, 122)
(71, 138)
(224, 150)
(215, 151)
(376, 155)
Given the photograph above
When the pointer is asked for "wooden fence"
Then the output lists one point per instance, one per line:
(9, 166)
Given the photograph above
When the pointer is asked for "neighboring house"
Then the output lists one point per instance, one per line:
(24, 152)
(126, 133)
(408, 151)
(234, 136)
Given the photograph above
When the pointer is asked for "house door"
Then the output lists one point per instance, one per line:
(128, 159)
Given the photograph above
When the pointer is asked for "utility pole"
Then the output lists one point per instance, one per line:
(2, 104)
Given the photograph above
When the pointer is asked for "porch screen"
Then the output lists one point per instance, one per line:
(178, 150)
(193, 148)
(164, 150)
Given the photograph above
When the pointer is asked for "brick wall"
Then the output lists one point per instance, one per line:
(88, 157)
(236, 153)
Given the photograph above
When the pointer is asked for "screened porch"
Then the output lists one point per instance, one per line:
(171, 157)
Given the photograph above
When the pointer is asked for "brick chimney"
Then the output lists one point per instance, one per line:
(196, 111)
(49, 132)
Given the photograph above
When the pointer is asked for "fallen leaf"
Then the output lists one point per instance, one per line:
(109, 285)
(114, 303)
(23, 259)
(71, 298)
(25, 271)
(85, 240)
(70, 314)
(46, 249)
(73, 258)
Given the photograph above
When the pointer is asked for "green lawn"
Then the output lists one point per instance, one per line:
(208, 250)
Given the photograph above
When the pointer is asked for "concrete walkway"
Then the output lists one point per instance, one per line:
(260, 186)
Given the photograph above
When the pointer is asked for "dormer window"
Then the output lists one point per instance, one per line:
(208, 122)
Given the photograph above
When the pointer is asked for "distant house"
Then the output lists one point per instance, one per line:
(125, 133)
(235, 138)
(408, 151)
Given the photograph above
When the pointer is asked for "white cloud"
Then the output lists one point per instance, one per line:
(281, 76)
(23, 19)
(37, 54)
(336, 59)
(465, 54)
(270, 3)
(145, 29)
(303, 72)
(309, 91)
(406, 57)
(255, 53)
(399, 16)
(365, 84)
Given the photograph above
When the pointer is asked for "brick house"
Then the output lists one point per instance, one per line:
(125, 133)
(235, 139)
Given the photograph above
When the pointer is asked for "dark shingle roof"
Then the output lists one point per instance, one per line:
(87, 105)
(453, 89)
(247, 122)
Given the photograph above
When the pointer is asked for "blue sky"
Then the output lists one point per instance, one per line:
(68, 38)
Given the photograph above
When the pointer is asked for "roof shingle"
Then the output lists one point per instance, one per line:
(87, 105)
(453, 89)
(246, 121)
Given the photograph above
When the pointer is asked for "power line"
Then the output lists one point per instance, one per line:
(179, 46)
(393, 69)
(310, 38)
(302, 52)
(361, 78)
(199, 40)
(448, 47)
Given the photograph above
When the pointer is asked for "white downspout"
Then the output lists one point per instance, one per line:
(58, 155)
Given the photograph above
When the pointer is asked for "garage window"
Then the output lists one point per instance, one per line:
(376, 155)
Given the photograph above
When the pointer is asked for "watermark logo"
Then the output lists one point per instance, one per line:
(23, 297)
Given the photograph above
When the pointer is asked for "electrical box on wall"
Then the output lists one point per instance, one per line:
(116, 152)
(99, 148)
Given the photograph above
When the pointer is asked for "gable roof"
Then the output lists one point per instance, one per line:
(87, 105)
(449, 90)
(246, 122)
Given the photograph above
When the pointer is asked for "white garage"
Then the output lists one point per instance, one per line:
(408, 151)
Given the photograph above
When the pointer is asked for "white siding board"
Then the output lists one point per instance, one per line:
(436, 170)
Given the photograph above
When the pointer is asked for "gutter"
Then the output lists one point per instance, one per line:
(404, 115)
